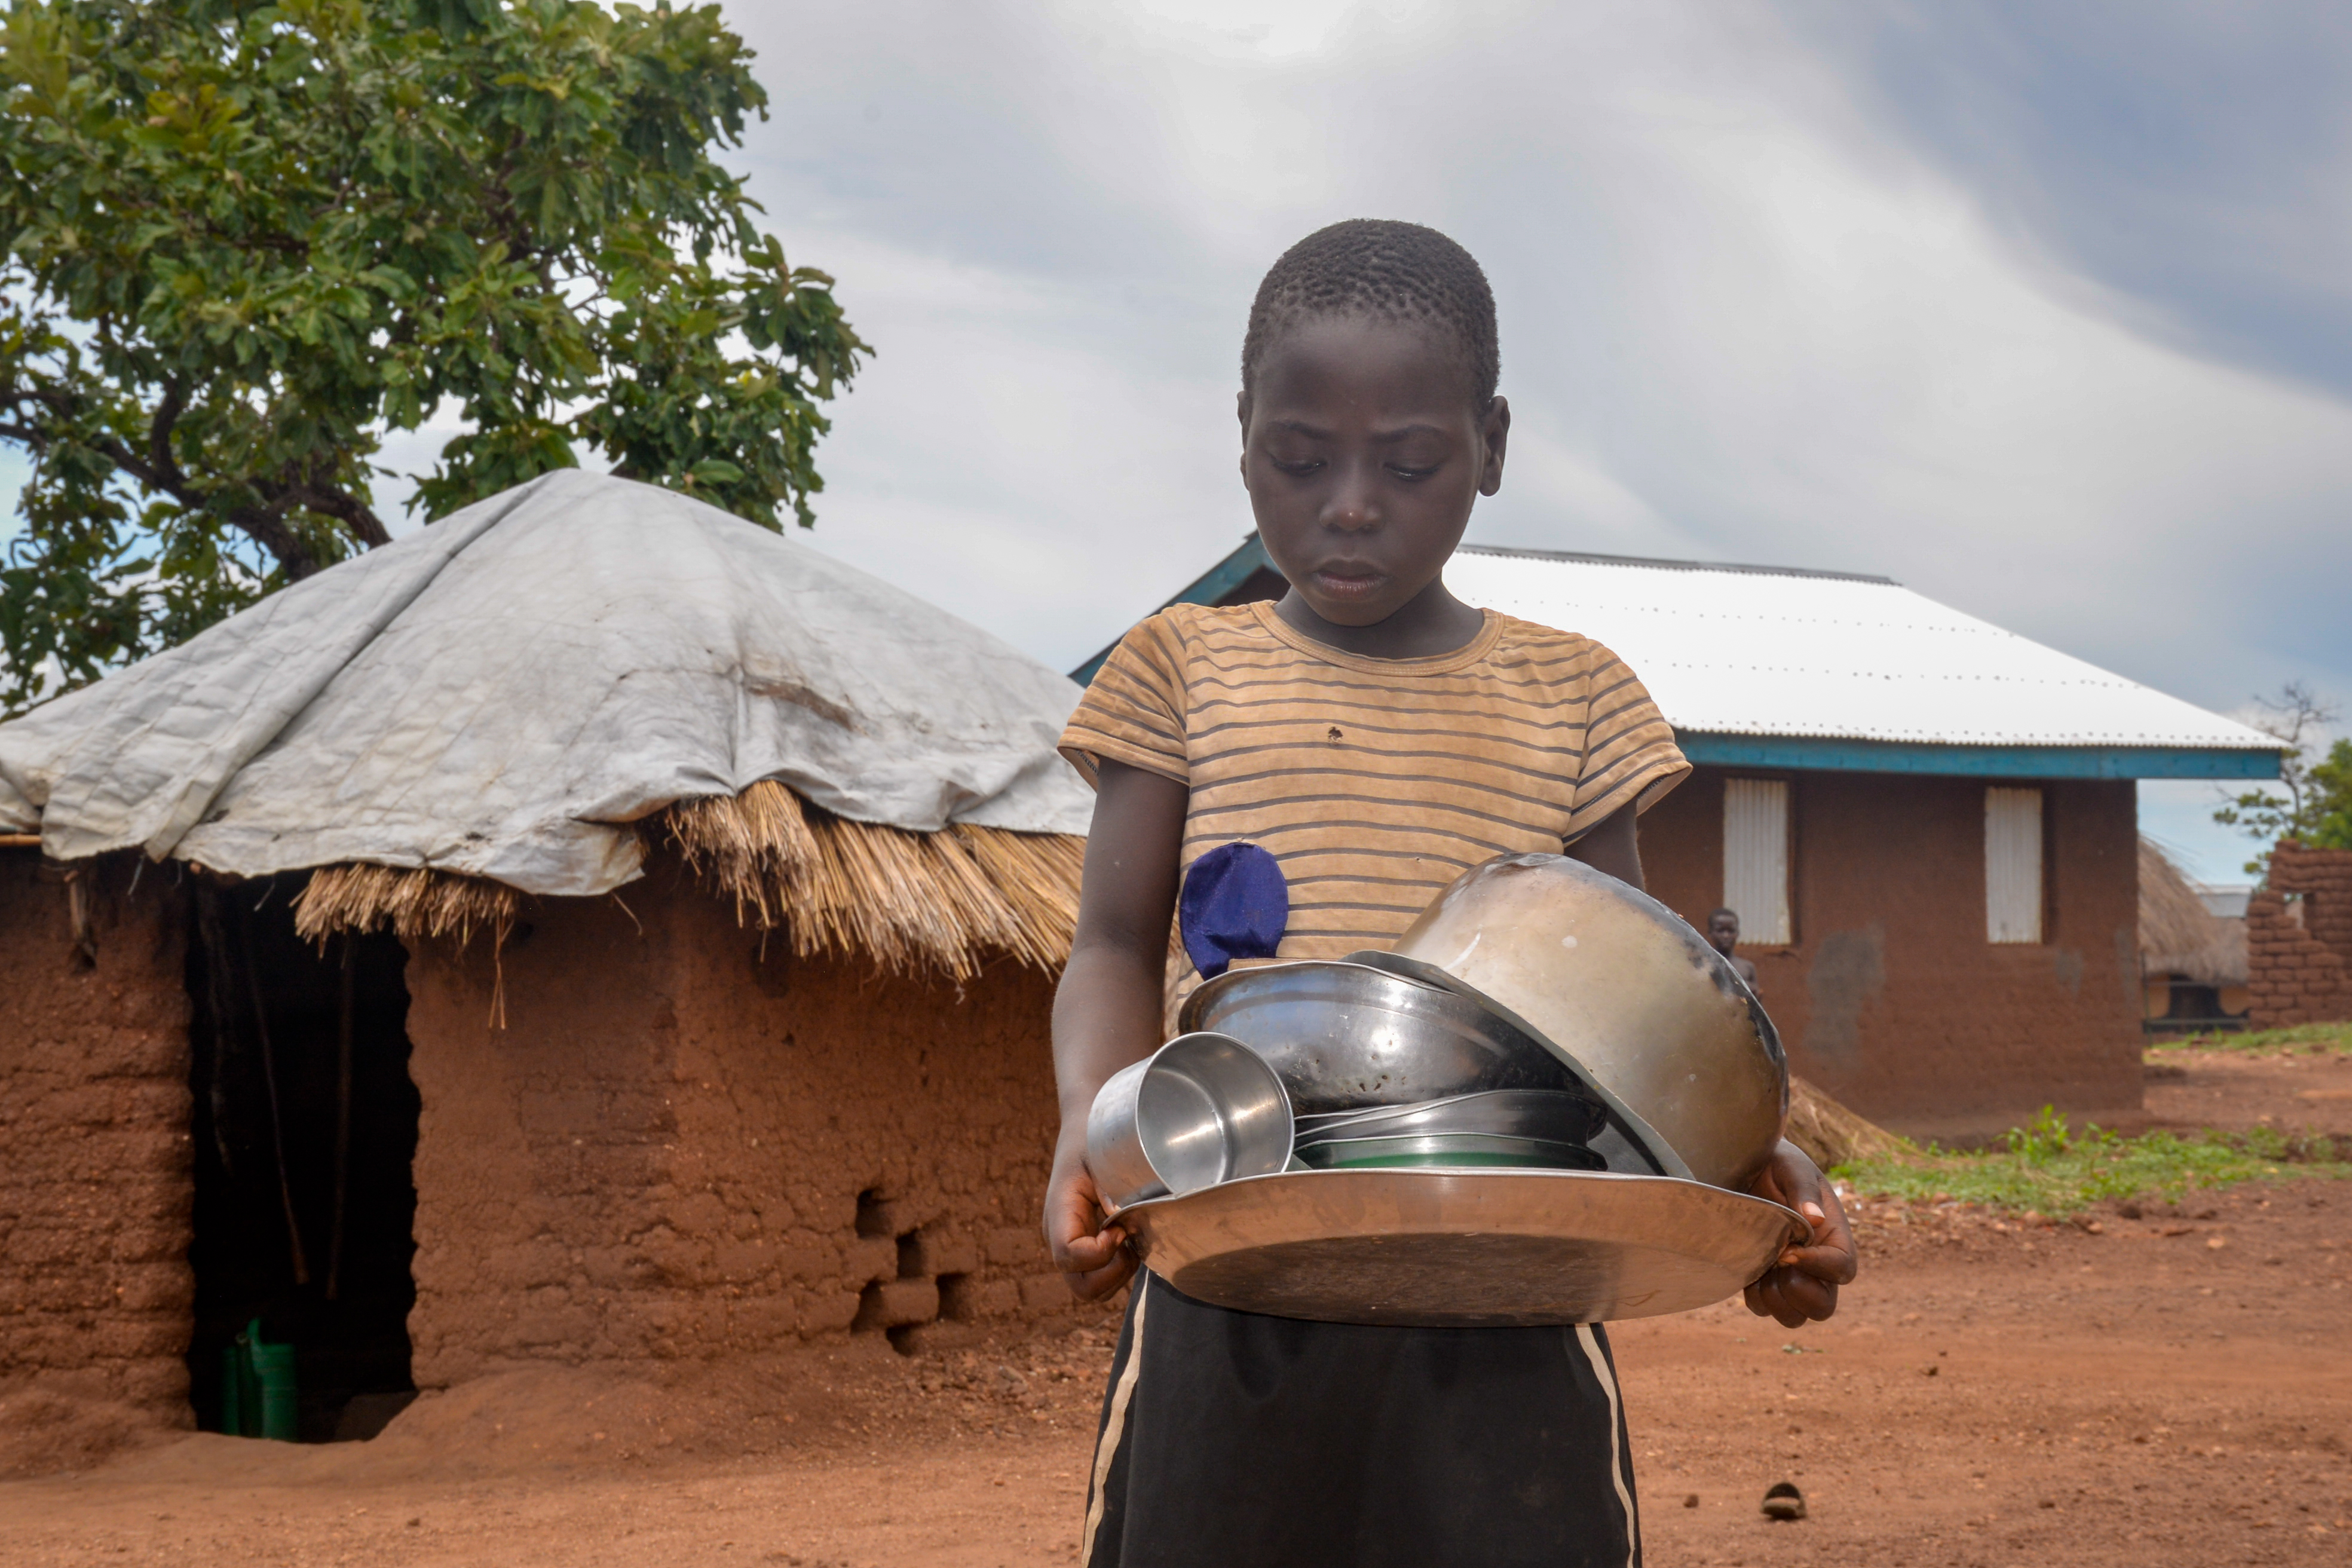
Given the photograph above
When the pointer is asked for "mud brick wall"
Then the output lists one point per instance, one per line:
(97, 1194)
(1890, 997)
(680, 1148)
(2300, 970)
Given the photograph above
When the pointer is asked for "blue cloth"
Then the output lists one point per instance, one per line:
(1235, 904)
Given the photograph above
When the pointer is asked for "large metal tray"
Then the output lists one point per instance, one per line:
(1480, 1249)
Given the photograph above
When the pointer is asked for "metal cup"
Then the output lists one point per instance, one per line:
(1201, 1110)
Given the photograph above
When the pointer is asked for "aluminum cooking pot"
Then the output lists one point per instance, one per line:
(1622, 985)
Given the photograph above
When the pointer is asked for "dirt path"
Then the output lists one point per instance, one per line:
(2174, 1389)
(2287, 1091)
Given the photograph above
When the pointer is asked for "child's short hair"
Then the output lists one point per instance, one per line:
(1395, 271)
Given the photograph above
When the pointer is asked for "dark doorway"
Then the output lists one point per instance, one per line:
(305, 1127)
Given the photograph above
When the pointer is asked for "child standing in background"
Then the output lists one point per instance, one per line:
(1374, 737)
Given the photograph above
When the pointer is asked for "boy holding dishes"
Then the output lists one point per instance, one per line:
(1366, 738)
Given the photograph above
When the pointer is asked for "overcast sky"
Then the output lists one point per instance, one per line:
(2044, 310)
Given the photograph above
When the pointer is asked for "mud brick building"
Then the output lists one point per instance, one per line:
(2299, 938)
(1926, 825)
(96, 1204)
(592, 930)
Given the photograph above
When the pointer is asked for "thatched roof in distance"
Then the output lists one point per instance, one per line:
(947, 900)
(2178, 935)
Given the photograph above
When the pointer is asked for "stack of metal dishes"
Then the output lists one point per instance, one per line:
(1542, 1106)
(1525, 1128)
(1421, 1061)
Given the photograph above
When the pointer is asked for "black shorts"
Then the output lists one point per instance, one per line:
(1230, 1440)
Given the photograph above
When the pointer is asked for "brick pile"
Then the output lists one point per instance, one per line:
(2301, 959)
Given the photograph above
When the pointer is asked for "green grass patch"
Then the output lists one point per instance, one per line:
(2314, 1039)
(2051, 1168)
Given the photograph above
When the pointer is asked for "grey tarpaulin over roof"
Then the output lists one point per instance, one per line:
(500, 693)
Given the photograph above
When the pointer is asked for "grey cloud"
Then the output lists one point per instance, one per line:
(2196, 159)
(1749, 312)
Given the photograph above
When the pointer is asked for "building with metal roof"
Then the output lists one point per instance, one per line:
(1787, 667)
(1926, 823)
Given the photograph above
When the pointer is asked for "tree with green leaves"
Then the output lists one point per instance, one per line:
(2313, 800)
(240, 242)
(2328, 814)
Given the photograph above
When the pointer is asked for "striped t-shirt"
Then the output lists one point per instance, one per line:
(1374, 783)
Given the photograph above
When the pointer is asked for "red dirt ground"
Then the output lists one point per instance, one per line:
(2175, 1388)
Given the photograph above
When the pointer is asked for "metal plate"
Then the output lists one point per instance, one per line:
(1445, 1151)
(1460, 1248)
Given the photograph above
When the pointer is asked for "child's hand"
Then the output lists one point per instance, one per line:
(1804, 1284)
(1095, 1261)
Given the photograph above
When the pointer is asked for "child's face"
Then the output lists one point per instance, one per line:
(1723, 932)
(1362, 455)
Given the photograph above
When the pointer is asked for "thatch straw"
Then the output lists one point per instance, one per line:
(414, 903)
(1834, 1135)
(947, 900)
(909, 901)
(2178, 935)
(763, 828)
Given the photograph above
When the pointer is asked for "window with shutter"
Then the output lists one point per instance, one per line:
(2014, 865)
(1756, 857)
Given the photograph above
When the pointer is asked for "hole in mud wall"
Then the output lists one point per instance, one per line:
(305, 1126)
(873, 1212)
(958, 1301)
(910, 1256)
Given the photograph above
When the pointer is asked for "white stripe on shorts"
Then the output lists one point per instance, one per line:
(1600, 1363)
(1115, 1426)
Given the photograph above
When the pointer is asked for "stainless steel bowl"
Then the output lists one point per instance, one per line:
(1345, 1036)
(1201, 1110)
(1624, 987)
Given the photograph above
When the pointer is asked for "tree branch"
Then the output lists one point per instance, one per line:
(340, 504)
(159, 428)
(267, 529)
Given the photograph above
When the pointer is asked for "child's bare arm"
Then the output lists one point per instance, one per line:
(1108, 1011)
(1614, 848)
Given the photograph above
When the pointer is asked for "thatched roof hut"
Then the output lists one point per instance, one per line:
(2179, 937)
(677, 905)
(531, 696)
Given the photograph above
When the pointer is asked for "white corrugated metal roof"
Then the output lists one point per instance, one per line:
(1752, 650)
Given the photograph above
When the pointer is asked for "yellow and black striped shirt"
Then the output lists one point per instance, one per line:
(1373, 781)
